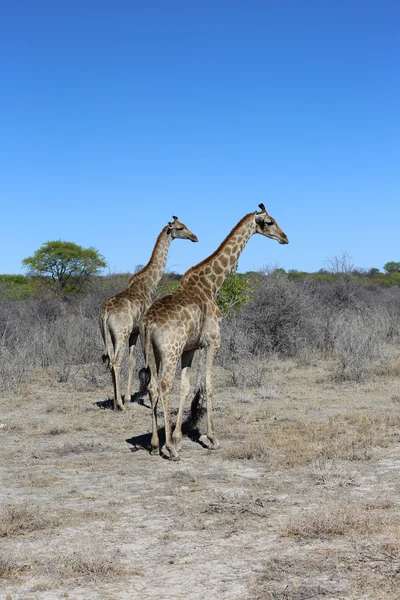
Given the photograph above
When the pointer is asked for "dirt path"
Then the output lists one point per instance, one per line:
(85, 517)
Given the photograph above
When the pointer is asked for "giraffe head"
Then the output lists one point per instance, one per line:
(178, 230)
(267, 226)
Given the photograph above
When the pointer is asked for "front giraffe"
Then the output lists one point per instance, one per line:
(121, 314)
(189, 318)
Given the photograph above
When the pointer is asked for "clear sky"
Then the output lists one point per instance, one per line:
(116, 115)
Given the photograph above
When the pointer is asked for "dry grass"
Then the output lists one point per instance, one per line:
(10, 566)
(90, 560)
(349, 437)
(332, 520)
(21, 519)
(237, 502)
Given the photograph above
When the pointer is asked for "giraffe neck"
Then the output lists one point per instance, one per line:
(212, 272)
(151, 274)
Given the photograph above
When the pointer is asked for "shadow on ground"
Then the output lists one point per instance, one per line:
(190, 427)
(109, 403)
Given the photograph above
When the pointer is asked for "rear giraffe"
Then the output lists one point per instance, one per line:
(120, 315)
(189, 318)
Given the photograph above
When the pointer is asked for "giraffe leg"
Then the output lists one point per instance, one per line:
(210, 357)
(186, 361)
(166, 383)
(116, 371)
(199, 388)
(153, 393)
(131, 366)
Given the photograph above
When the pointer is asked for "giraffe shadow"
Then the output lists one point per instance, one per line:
(190, 428)
(136, 397)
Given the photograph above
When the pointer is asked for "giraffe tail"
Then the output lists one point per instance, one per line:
(106, 335)
(149, 371)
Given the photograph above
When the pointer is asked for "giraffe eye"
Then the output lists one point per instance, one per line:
(269, 223)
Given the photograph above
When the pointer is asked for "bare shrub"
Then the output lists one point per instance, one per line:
(283, 317)
(289, 317)
(302, 317)
(14, 366)
(359, 341)
(40, 334)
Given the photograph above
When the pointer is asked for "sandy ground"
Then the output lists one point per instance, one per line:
(301, 501)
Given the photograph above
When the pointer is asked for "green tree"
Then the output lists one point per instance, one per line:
(236, 291)
(16, 287)
(64, 266)
(392, 267)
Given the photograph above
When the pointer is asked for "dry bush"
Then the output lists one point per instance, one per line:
(236, 353)
(288, 317)
(302, 318)
(284, 316)
(359, 341)
(332, 520)
(40, 334)
(21, 519)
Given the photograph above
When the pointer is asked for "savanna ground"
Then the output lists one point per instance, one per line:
(301, 501)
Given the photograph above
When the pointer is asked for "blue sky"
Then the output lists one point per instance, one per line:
(114, 116)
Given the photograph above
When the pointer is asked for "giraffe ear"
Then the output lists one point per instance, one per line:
(263, 209)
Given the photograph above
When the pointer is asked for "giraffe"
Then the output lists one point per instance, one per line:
(188, 319)
(120, 315)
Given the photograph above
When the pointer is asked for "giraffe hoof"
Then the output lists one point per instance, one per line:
(214, 446)
(175, 457)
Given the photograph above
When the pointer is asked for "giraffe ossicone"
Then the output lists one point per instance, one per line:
(121, 315)
(176, 326)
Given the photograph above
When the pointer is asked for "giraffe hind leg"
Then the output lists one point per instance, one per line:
(116, 374)
(186, 361)
(165, 387)
(210, 357)
(131, 365)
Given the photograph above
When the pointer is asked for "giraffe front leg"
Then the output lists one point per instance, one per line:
(211, 352)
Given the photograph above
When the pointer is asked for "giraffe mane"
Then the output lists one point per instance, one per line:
(214, 254)
(146, 267)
